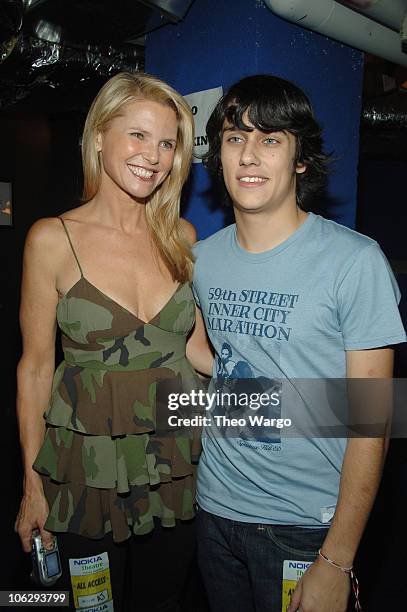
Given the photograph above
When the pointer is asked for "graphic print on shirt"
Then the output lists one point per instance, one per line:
(227, 368)
(235, 378)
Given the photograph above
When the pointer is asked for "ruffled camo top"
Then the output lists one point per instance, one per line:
(110, 461)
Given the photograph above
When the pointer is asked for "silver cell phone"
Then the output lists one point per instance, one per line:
(46, 563)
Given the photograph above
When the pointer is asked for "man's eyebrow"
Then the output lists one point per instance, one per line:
(235, 128)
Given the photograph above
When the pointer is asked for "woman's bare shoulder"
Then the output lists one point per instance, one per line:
(48, 230)
(44, 248)
(188, 230)
(47, 241)
(45, 231)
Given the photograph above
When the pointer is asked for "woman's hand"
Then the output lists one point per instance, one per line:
(32, 515)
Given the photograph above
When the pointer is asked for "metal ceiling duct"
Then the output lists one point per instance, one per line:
(387, 112)
(48, 31)
(342, 24)
(384, 127)
(43, 55)
(11, 21)
(388, 12)
(37, 62)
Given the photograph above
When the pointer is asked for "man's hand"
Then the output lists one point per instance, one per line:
(323, 588)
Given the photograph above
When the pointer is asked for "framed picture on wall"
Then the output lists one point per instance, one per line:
(6, 217)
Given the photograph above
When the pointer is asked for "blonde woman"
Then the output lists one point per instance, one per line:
(107, 473)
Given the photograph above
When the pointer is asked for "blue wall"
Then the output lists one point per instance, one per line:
(220, 42)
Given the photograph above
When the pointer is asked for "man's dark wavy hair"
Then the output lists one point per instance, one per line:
(273, 104)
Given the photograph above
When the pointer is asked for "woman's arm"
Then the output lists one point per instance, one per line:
(39, 299)
(188, 230)
(199, 351)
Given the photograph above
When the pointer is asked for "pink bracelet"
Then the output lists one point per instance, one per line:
(347, 570)
(353, 579)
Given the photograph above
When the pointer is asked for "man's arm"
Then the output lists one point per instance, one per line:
(325, 588)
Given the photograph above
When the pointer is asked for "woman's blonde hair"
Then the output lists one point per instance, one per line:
(163, 206)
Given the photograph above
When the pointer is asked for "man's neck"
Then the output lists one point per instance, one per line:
(264, 231)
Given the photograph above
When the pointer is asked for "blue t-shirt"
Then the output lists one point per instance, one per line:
(291, 312)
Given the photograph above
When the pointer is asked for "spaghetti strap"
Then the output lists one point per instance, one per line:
(70, 242)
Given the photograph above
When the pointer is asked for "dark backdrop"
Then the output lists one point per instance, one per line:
(40, 156)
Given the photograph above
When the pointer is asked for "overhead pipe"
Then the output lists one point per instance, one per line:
(386, 113)
(388, 12)
(342, 24)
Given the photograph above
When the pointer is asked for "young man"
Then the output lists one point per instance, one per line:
(293, 296)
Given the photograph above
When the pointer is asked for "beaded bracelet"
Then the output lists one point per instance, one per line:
(353, 579)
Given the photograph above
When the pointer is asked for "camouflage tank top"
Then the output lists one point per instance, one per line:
(110, 461)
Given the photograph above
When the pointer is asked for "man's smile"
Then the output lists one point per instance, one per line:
(252, 180)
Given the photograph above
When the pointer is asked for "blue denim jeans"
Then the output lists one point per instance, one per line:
(242, 563)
